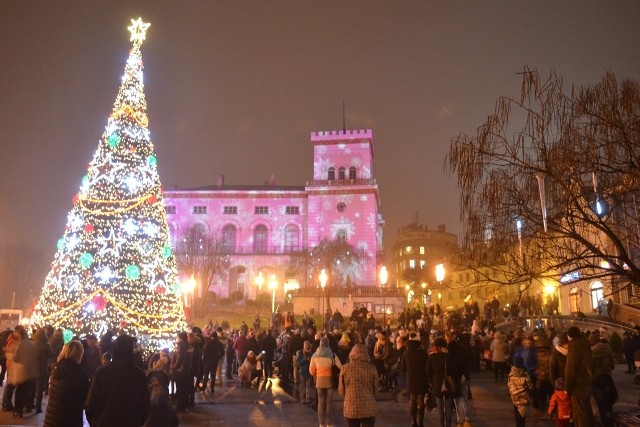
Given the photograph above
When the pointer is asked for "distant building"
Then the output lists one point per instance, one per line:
(262, 225)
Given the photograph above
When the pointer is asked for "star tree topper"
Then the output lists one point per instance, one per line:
(138, 30)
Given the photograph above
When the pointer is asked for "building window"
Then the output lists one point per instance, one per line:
(331, 173)
(352, 172)
(421, 250)
(342, 172)
(597, 294)
(200, 210)
(170, 210)
(407, 249)
(450, 296)
(291, 238)
(422, 263)
(412, 264)
(292, 210)
(230, 210)
(342, 206)
(574, 300)
(229, 239)
(341, 236)
(260, 239)
(261, 210)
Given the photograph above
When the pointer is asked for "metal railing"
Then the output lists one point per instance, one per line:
(332, 182)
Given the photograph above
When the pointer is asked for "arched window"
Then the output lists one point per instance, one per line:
(341, 235)
(260, 239)
(229, 238)
(194, 241)
(352, 172)
(331, 173)
(291, 238)
(597, 294)
(342, 172)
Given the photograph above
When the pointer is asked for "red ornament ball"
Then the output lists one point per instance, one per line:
(61, 304)
(75, 199)
(123, 324)
(52, 287)
(160, 290)
(88, 228)
(147, 302)
(152, 200)
(99, 302)
(79, 324)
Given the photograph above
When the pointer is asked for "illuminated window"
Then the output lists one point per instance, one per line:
(260, 239)
(574, 300)
(230, 210)
(199, 210)
(352, 172)
(292, 210)
(170, 210)
(421, 250)
(229, 239)
(407, 249)
(412, 263)
(597, 294)
(261, 210)
(422, 263)
(342, 172)
(331, 173)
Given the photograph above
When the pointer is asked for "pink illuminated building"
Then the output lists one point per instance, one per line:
(261, 225)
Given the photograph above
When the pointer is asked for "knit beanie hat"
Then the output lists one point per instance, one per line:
(324, 342)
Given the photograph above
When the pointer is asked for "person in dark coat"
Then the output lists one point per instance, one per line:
(268, 346)
(440, 365)
(211, 356)
(180, 370)
(118, 395)
(92, 358)
(558, 359)
(67, 389)
(43, 354)
(414, 366)
(578, 377)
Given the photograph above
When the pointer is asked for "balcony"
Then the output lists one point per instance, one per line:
(261, 250)
(353, 291)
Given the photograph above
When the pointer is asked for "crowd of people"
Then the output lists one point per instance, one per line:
(426, 360)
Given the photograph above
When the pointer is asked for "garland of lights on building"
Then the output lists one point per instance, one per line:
(114, 268)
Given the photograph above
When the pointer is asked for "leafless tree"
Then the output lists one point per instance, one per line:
(203, 256)
(549, 184)
(336, 256)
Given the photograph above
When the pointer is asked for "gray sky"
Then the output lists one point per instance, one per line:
(235, 87)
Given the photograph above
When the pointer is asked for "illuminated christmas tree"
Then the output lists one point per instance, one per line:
(114, 267)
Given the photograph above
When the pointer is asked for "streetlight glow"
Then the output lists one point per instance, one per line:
(384, 276)
(440, 272)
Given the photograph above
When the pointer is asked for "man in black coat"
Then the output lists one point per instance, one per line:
(211, 356)
(462, 375)
(268, 347)
(414, 366)
(118, 395)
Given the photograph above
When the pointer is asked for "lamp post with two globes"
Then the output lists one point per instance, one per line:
(273, 285)
(384, 276)
(259, 283)
(323, 282)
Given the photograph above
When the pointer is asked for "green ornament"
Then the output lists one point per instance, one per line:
(86, 259)
(67, 335)
(175, 287)
(85, 179)
(113, 140)
(166, 251)
(60, 243)
(152, 160)
(132, 272)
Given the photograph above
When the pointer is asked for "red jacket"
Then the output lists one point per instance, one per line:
(562, 400)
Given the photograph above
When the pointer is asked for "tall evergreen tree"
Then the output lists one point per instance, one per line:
(114, 267)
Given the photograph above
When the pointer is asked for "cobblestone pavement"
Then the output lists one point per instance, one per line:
(237, 406)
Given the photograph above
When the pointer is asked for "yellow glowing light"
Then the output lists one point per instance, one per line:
(323, 278)
(138, 29)
(549, 289)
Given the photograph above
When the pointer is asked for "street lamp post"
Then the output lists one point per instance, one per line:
(440, 274)
(384, 276)
(187, 287)
(273, 285)
(323, 283)
(259, 283)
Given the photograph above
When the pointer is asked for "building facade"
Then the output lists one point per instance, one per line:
(261, 226)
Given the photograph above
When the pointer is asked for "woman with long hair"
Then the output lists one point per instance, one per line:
(68, 388)
(320, 368)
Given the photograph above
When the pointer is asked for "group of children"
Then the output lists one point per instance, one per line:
(520, 387)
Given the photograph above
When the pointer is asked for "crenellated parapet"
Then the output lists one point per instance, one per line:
(342, 135)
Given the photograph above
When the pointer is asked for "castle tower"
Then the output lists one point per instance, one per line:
(343, 197)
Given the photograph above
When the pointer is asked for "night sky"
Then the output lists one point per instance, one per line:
(236, 87)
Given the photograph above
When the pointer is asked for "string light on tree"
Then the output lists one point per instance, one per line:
(114, 267)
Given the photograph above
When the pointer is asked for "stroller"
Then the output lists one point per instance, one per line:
(160, 414)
